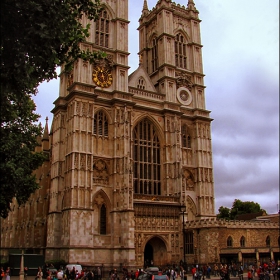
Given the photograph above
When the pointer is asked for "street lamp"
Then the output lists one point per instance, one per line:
(183, 210)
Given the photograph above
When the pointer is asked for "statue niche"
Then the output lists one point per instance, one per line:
(100, 172)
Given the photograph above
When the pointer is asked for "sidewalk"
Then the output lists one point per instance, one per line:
(189, 277)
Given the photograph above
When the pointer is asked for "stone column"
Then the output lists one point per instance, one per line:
(21, 271)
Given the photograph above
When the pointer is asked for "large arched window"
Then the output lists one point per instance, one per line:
(154, 55)
(180, 51)
(146, 156)
(103, 218)
(102, 30)
(100, 126)
(242, 241)
(229, 241)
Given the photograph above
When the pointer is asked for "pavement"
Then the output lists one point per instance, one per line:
(189, 277)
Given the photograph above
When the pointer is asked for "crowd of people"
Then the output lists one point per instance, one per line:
(270, 271)
(265, 271)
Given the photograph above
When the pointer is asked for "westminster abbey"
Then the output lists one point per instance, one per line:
(130, 156)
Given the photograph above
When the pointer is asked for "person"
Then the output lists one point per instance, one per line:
(73, 273)
(208, 272)
(240, 272)
(25, 272)
(182, 273)
(39, 274)
(2, 273)
(250, 277)
(99, 273)
(60, 274)
(8, 273)
(193, 272)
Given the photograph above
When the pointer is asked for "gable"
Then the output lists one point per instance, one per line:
(140, 79)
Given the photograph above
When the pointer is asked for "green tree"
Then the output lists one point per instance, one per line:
(36, 37)
(238, 208)
(224, 213)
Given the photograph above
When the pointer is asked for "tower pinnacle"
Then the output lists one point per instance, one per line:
(191, 5)
(145, 9)
(46, 130)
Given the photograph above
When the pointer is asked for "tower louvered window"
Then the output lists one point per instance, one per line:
(100, 124)
(102, 30)
(146, 156)
(154, 55)
(186, 138)
(180, 51)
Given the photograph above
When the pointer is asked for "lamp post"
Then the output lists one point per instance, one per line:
(183, 210)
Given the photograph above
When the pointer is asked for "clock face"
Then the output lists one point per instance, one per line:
(102, 77)
(184, 96)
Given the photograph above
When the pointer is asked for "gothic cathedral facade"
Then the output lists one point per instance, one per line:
(127, 151)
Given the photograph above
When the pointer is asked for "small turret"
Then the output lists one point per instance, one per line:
(191, 5)
(45, 139)
(145, 9)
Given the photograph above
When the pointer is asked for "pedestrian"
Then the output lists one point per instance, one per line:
(250, 275)
(25, 272)
(39, 273)
(8, 273)
(2, 271)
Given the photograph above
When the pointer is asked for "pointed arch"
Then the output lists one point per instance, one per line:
(229, 241)
(187, 180)
(180, 47)
(102, 205)
(154, 121)
(191, 209)
(242, 241)
(186, 137)
(141, 83)
(147, 158)
(103, 28)
(101, 123)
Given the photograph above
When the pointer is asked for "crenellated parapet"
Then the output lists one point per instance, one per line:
(222, 223)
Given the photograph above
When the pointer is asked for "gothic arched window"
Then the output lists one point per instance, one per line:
(102, 30)
(267, 241)
(100, 126)
(242, 241)
(146, 156)
(141, 83)
(154, 55)
(229, 241)
(180, 51)
(103, 219)
(186, 138)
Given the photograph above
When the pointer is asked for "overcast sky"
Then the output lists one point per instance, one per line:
(240, 41)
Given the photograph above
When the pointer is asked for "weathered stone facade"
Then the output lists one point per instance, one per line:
(126, 151)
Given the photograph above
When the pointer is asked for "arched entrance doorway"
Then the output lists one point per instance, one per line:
(155, 253)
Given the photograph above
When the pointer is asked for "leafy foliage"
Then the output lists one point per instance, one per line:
(238, 208)
(36, 37)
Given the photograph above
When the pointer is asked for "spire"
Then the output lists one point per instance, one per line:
(191, 5)
(145, 9)
(46, 131)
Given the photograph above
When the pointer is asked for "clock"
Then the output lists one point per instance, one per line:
(184, 96)
(102, 76)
